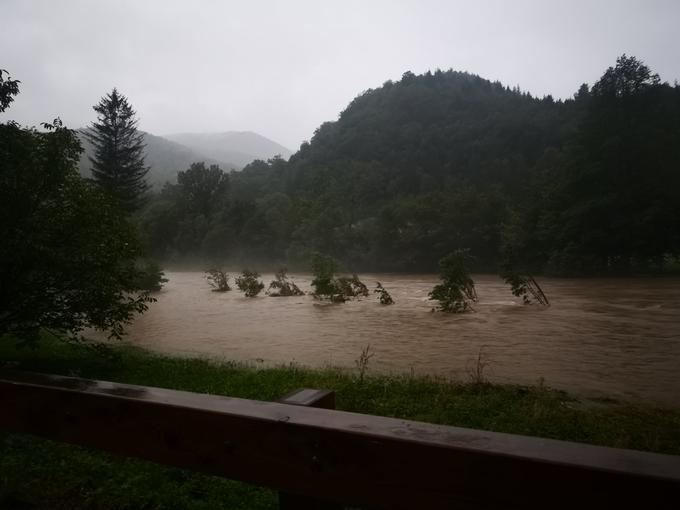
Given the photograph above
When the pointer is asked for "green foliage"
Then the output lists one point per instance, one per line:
(418, 167)
(249, 284)
(327, 285)
(281, 286)
(457, 292)
(118, 163)
(202, 190)
(630, 77)
(518, 285)
(526, 287)
(383, 295)
(8, 89)
(324, 282)
(152, 277)
(218, 280)
(514, 269)
(609, 201)
(67, 257)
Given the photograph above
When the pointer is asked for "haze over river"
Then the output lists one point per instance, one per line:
(616, 338)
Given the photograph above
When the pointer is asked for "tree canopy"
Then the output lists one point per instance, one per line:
(68, 254)
(118, 163)
(432, 163)
(8, 89)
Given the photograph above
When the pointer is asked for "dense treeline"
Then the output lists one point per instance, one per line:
(443, 161)
(70, 258)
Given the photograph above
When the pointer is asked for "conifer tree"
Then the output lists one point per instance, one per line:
(118, 164)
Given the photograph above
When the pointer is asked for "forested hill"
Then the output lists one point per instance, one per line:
(443, 125)
(417, 168)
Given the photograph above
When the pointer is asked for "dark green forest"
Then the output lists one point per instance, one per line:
(447, 160)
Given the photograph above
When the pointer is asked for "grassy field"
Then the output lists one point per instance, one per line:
(39, 474)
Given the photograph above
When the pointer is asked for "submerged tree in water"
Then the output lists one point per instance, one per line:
(329, 286)
(522, 283)
(518, 256)
(383, 296)
(457, 291)
(324, 282)
(526, 287)
(218, 280)
(351, 286)
(249, 284)
(282, 286)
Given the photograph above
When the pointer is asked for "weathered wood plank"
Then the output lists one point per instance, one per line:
(321, 399)
(339, 456)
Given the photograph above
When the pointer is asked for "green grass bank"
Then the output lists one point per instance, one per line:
(39, 474)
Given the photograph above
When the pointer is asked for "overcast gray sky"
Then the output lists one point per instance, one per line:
(281, 68)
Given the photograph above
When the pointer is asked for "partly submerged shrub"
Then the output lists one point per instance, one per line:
(281, 286)
(456, 292)
(218, 280)
(249, 284)
(383, 295)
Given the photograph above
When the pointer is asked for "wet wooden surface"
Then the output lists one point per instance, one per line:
(333, 455)
(322, 399)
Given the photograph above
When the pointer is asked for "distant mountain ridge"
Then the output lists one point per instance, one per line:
(166, 157)
(239, 147)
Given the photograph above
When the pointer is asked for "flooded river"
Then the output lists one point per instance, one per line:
(615, 338)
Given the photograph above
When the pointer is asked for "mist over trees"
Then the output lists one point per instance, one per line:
(446, 160)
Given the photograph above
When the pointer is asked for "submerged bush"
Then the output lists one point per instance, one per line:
(457, 291)
(249, 284)
(328, 286)
(351, 286)
(383, 295)
(218, 280)
(281, 286)
(526, 287)
(514, 271)
(324, 282)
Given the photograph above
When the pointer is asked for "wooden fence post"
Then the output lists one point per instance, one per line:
(305, 397)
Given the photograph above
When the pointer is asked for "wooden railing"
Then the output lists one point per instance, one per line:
(322, 458)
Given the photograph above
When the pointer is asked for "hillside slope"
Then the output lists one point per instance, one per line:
(165, 158)
(240, 147)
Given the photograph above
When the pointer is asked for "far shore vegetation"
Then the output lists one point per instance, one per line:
(79, 478)
(433, 163)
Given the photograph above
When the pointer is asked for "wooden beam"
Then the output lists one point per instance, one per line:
(320, 399)
(339, 456)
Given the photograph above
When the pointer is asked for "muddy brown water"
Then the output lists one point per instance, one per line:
(617, 338)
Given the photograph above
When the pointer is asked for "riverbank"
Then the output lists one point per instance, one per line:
(41, 474)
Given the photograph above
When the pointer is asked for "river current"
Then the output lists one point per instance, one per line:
(617, 338)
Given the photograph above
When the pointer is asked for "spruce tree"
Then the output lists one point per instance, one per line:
(118, 163)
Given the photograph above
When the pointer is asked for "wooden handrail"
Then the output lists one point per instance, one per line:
(333, 455)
